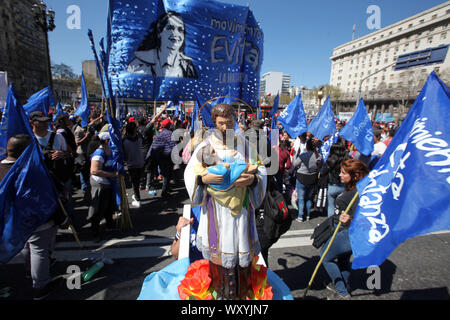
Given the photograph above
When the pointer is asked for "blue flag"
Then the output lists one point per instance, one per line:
(227, 98)
(407, 194)
(326, 146)
(323, 123)
(205, 111)
(194, 122)
(259, 113)
(220, 44)
(97, 62)
(359, 131)
(293, 118)
(83, 110)
(181, 111)
(27, 200)
(59, 111)
(40, 101)
(274, 109)
(115, 144)
(177, 110)
(14, 120)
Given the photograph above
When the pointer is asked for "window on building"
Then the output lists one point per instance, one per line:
(434, 16)
(443, 35)
(417, 44)
(422, 21)
(410, 25)
(400, 29)
(430, 39)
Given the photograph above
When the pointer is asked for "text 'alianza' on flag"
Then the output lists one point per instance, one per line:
(407, 194)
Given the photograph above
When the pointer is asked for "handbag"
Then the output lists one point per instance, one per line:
(323, 232)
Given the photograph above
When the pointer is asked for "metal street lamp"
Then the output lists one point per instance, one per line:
(45, 20)
(319, 97)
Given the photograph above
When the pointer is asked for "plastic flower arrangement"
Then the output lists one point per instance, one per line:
(196, 283)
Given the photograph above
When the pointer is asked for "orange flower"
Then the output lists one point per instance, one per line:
(196, 282)
(262, 290)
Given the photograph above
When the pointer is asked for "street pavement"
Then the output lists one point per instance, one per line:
(416, 270)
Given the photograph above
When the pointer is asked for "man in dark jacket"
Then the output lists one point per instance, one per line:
(160, 152)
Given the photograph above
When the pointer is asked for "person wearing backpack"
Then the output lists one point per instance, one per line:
(53, 146)
(308, 165)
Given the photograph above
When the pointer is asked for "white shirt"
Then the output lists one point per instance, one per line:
(59, 143)
(378, 149)
(299, 146)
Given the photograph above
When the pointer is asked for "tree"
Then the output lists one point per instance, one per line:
(64, 72)
(93, 86)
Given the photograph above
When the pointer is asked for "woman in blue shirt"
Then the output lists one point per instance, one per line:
(102, 175)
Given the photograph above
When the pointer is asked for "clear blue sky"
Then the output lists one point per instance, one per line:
(299, 36)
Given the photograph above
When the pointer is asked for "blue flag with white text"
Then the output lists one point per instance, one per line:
(359, 130)
(83, 110)
(293, 118)
(323, 123)
(40, 101)
(216, 44)
(27, 200)
(407, 193)
(14, 120)
(326, 146)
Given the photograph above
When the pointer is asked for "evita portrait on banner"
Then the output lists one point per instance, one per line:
(169, 50)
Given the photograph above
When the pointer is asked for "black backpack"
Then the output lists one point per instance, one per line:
(277, 219)
(60, 168)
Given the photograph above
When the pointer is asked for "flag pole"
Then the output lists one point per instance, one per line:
(329, 245)
(70, 225)
(126, 223)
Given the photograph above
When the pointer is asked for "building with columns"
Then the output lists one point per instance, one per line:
(389, 66)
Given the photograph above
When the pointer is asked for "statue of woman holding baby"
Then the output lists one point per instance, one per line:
(226, 179)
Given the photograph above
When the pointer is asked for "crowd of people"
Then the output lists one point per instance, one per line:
(80, 158)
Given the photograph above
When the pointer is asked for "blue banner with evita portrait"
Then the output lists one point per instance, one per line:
(170, 49)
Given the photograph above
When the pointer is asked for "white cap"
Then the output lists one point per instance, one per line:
(104, 136)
